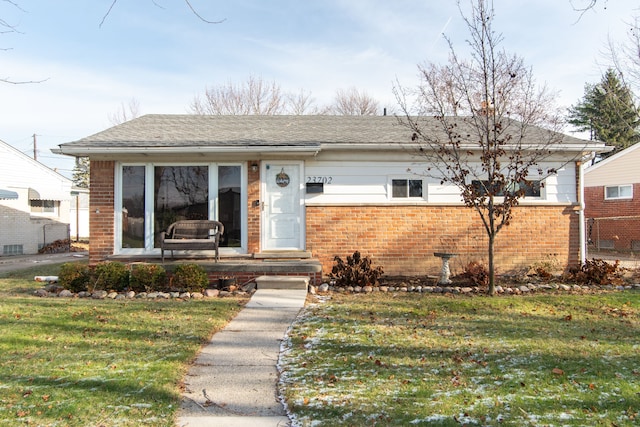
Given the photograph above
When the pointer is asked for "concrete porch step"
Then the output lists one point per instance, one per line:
(275, 255)
(282, 282)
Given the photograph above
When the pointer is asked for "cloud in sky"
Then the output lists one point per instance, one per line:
(159, 53)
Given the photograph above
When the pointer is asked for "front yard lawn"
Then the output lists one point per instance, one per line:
(404, 360)
(85, 362)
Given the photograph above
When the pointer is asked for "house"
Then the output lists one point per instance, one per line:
(612, 201)
(317, 185)
(34, 203)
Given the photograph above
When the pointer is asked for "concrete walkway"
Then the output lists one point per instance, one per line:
(233, 381)
(18, 262)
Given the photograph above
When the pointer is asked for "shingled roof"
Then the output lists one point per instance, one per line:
(277, 133)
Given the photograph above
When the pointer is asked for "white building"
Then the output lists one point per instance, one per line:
(34, 203)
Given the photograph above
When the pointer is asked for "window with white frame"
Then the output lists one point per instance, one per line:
(402, 188)
(152, 196)
(529, 188)
(614, 192)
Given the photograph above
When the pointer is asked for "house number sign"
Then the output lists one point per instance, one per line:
(282, 179)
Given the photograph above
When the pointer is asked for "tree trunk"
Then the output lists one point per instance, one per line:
(492, 272)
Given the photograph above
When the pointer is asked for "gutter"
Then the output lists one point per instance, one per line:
(87, 151)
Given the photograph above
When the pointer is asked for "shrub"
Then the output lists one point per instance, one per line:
(597, 272)
(355, 271)
(74, 276)
(147, 278)
(476, 273)
(110, 275)
(545, 268)
(189, 277)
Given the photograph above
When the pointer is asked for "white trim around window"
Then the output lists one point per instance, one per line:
(406, 188)
(148, 247)
(618, 192)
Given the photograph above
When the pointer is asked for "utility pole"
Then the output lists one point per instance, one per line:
(35, 147)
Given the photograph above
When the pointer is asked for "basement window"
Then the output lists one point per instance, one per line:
(12, 250)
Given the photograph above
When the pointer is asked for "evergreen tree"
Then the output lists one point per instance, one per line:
(81, 172)
(608, 112)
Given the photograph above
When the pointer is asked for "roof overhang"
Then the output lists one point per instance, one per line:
(80, 151)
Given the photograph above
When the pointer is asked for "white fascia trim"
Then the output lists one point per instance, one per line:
(86, 151)
(557, 148)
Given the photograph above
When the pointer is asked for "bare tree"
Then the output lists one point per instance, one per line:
(255, 96)
(352, 102)
(187, 2)
(302, 103)
(6, 28)
(474, 121)
(126, 112)
(625, 56)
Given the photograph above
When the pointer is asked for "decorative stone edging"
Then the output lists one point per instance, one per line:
(505, 290)
(55, 291)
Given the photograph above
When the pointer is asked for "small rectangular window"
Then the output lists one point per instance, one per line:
(618, 192)
(406, 188)
(530, 188)
(44, 206)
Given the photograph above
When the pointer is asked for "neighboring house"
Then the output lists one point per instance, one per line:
(79, 214)
(327, 185)
(612, 201)
(38, 212)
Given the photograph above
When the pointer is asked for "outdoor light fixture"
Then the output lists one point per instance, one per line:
(254, 167)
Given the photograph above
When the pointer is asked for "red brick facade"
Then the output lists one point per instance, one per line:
(402, 239)
(605, 219)
(253, 210)
(101, 213)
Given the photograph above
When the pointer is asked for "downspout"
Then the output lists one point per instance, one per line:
(583, 241)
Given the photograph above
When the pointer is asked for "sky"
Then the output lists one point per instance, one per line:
(161, 54)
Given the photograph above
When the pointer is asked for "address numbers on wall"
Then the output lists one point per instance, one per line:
(319, 179)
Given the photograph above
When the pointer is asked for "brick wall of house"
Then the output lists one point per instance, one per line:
(402, 239)
(101, 213)
(253, 210)
(605, 220)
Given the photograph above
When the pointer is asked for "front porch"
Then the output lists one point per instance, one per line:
(244, 269)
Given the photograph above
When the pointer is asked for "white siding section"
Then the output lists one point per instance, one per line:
(351, 182)
(18, 227)
(621, 168)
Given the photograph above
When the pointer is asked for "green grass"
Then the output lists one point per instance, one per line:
(82, 362)
(404, 360)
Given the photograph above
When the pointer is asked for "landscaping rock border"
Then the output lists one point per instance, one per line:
(56, 291)
(467, 290)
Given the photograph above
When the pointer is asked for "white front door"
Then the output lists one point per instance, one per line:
(282, 217)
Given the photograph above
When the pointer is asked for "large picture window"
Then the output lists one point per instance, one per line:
(133, 224)
(152, 196)
(180, 192)
(229, 207)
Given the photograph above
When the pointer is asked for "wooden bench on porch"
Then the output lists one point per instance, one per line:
(192, 235)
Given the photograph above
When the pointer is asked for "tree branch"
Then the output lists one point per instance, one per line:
(187, 2)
